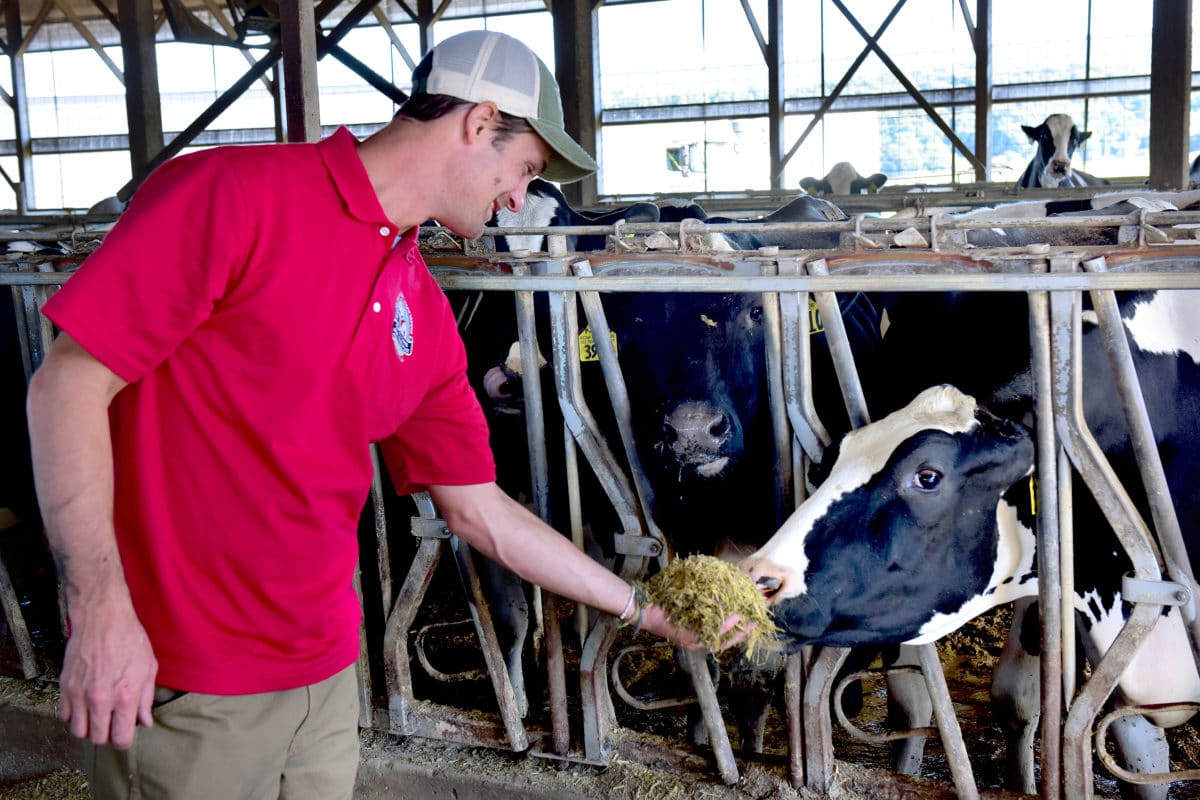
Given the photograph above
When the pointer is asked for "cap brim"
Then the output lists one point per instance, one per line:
(569, 162)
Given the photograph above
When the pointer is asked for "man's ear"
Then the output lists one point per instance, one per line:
(480, 118)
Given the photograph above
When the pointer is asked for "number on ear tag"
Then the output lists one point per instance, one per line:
(587, 345)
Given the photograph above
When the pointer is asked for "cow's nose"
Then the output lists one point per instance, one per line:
(697, 429)
(773, 581)
(1059, 165)
(769, 584)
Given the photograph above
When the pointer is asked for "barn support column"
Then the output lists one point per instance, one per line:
(266, 62)
(1170, 93)
(301, 118)
(577, 71)
(20, 106)
(981, 37)
(775, 89)
(142, 104)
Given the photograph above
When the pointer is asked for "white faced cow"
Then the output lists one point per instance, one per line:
(843, 178)
(1056, 139)
(924, 523)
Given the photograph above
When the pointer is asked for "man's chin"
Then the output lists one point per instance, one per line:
(472, 232)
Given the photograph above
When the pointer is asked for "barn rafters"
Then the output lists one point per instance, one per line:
(281, 43)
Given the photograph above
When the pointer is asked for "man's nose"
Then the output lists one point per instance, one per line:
(515, 200)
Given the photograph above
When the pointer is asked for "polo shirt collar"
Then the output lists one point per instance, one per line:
(340, 152)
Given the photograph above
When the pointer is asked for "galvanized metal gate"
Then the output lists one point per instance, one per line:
(928, 255)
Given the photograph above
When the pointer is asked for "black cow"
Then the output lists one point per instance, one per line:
(488, 326)
(695, 368)
(843, 178)
(923, 520)
(1057, 138)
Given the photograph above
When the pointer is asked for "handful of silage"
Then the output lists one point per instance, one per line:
(700, 592)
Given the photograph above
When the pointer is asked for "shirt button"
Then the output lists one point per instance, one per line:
(377, 307)
(384, 231)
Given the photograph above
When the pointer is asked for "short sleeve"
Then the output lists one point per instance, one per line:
(445, 441)
(182, 242)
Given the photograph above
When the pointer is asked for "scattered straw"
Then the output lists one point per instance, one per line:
(62, 784)
(700, 592)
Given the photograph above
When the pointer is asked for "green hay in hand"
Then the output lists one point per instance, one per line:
(700, 592)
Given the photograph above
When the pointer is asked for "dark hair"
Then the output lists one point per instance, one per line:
(428, 107)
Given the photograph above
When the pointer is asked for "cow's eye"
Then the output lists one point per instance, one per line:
(926, 479)
(756, 313)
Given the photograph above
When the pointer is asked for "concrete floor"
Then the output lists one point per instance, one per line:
(33, 744)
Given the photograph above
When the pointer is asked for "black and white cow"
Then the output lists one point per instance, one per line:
(843, 178)
(1056, 138)
(923, 521)
(1009, 232)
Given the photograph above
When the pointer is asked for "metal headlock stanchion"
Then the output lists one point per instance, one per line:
(1150, 256)
(407, 715)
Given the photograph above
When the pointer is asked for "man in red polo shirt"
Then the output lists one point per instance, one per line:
(258, 316)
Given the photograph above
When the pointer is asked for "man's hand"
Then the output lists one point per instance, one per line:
(658, 622)
(107, 683)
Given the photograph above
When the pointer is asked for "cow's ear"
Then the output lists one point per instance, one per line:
(809, 185)
(1084, 136)
(1030, 131)
(875, 181)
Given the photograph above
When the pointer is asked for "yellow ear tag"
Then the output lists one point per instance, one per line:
(1033, 494)
(587, 345)
(814, 317)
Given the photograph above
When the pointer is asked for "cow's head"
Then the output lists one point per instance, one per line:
(1056, 139)
(695, 366)
(843, 178)
(907, 538)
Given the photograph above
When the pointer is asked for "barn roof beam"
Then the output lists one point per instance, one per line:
(771, 47)
(908, 85)
(836, 92)
(218, 106)
(143, 106)
(119, 141)
(231, 32)
(1170, 94)
(386, 25)
(775, 89)
(1055, 90)
(298, 34)
(981, 40)
(106, 12)
(35, 26)
(377, 81)
(577, 70)
(18, 101)
(83, 30)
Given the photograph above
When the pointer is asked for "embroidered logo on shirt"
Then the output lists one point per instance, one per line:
(402, 328)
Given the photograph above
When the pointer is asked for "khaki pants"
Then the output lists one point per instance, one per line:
(300, 744)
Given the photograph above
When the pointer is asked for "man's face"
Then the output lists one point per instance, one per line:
(497, 178)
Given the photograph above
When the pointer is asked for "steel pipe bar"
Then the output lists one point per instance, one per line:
(1051, 587)
(485, 629)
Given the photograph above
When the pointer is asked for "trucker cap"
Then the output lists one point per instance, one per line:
(485, 65)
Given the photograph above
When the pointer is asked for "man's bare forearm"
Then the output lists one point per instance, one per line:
(71, 445)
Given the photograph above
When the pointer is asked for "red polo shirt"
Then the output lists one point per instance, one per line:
(269, 331)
